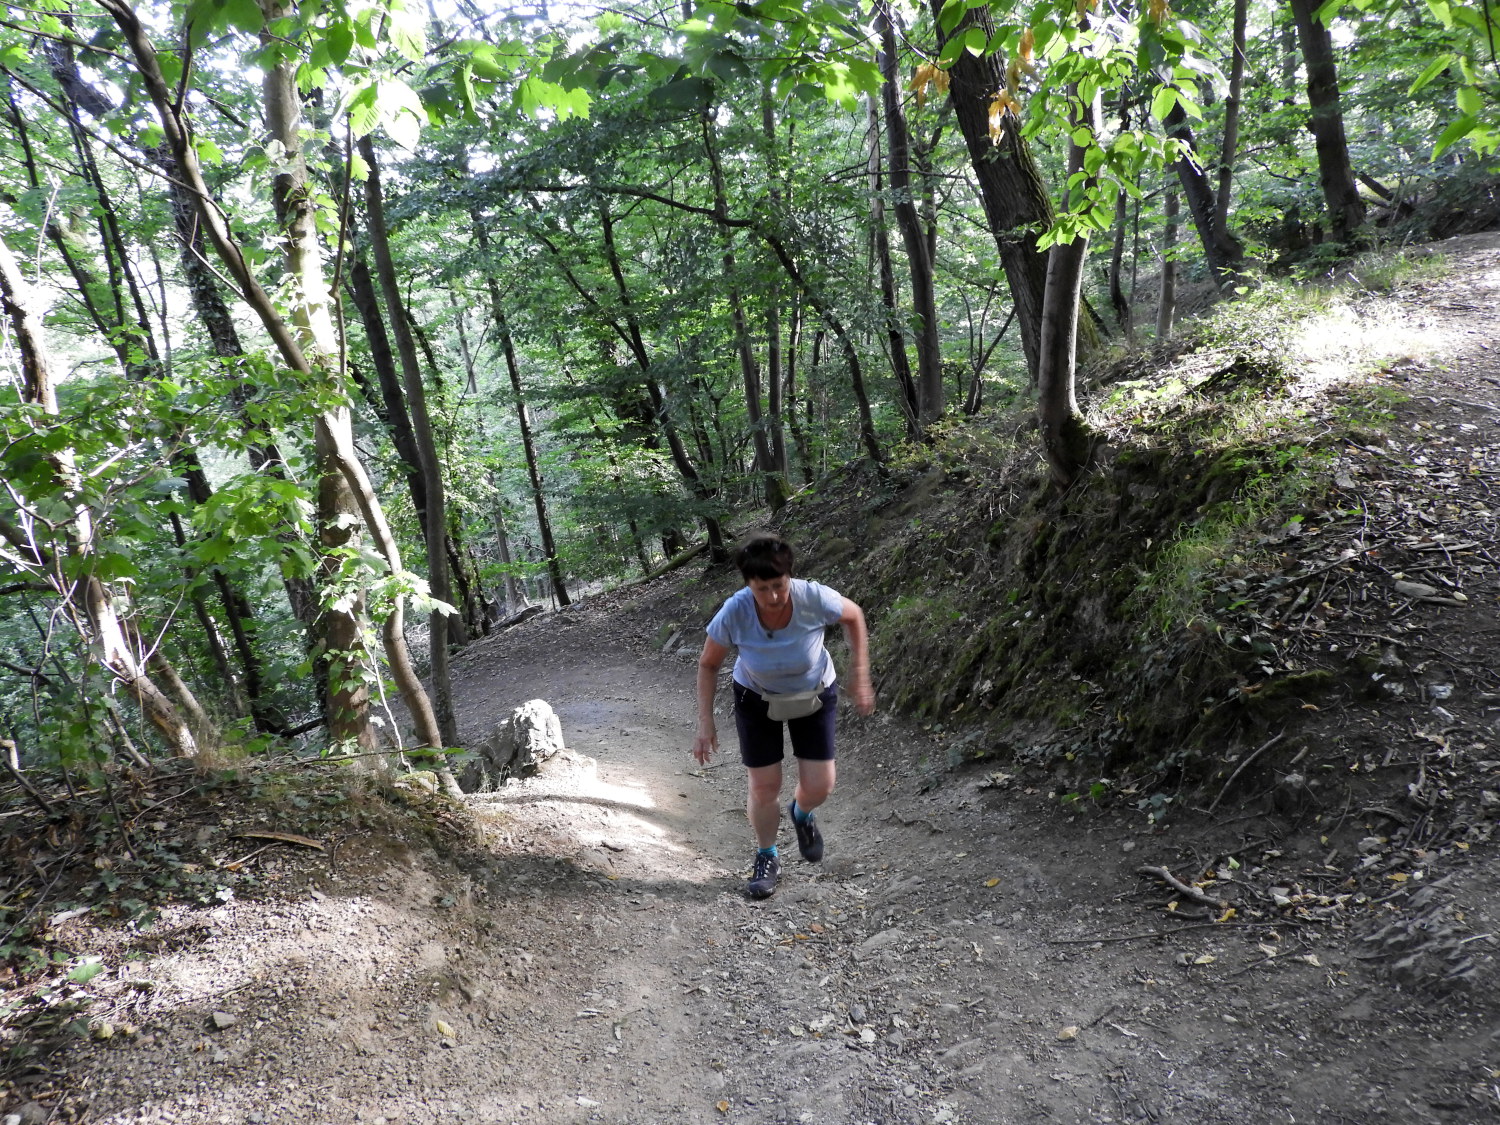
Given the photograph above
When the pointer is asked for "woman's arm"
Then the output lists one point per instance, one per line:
(852, 618)
(706, 745)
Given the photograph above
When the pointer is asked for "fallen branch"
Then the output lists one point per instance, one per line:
(1163, 875)
(1242, 766)
(1110, 938)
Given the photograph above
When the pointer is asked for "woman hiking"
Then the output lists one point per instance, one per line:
(783, 677)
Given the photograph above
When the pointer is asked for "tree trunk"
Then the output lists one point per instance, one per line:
(774, 375)
(1166, 305)
(523, 420)
(799, 435)
(91, 604)
(1116, 267)
(1223, 252)
(1346, 210)
(1228, 150)
(1065, 437)
(903, 203)
(1016, 203)
(895, 338)
(333, 433)
(773, 483)
(432, 469)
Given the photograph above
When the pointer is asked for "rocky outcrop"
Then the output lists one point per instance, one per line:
(530, 735)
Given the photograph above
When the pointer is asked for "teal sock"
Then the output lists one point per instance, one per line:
(799, 814)
(768, 851)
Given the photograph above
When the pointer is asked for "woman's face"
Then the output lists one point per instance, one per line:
(771, 593)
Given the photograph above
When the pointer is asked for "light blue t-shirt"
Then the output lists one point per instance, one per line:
(789, 659)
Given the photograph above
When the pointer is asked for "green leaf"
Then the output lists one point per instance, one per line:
(1469, 102)
(362, 111)
(951, 50)
(245, 15)
(975, 41)
(1163, 101)
(1443, 12)
(953, 11)
(340, 42)
(208, 152)
(87, 971)
(1454, 133)
(1434, 68)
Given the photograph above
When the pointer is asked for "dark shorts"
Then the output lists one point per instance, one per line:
(760, 737)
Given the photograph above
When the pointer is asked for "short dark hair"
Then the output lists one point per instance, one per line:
(764, 556)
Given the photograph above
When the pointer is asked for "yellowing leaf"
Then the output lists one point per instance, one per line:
(1268, 950)
(1068, 1033)
(1228, 914)
(444, 1028)
(992, 882)
(722, 1106)
(1204, 959)
(1311, 959)
(1398, 877)
(1028, 43)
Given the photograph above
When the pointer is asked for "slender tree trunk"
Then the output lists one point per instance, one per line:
(333, 433)
(895, 337)
(1116, 267)
(92, 606)
(903, 203)
(1346, 210)
(1166, 306)
(1016, 203)
(523, 420)
(799, 435)
(1232, 100)
(774, 376)
(1223, 252)
(515, 595)
(432, 469)
(773, 483)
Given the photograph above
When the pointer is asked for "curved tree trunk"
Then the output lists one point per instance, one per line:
(1346, 210)
(435, 501)
(332, 429)
(91, 604)
(913, 237)
(1016, 203)
(1224, 253)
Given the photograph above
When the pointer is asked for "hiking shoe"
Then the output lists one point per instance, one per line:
(809, 839)
(767, 870)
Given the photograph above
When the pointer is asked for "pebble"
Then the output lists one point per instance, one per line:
(856, 1013)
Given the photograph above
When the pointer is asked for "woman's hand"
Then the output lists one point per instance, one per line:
(862, 695)
(706, 745)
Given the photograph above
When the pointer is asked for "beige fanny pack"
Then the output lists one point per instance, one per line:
(792, 704)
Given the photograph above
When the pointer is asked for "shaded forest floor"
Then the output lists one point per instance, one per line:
(576, 947)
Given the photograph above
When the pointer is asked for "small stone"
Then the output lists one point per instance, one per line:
(1489, 799)
(32, 1113)
(1128, 846)
(857, 1013)
(449, 1042)
(867, 1036)
(587, 1103)
(1370, 845)
(11, 1119)
(221, 1020)
(255, 1117)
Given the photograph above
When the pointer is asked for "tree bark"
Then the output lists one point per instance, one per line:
(523, 420)
(1229, 149)
(773, 484)
(929, 383)
(1166, 305)
(880, 236)
(1224, 253)
(91, 604)
(1116, 267)
(1065, 437)
(435, 501)
(333, 433)
(1016, 203)
(1346, 210)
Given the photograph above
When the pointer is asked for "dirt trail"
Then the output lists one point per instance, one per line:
(965, 954)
